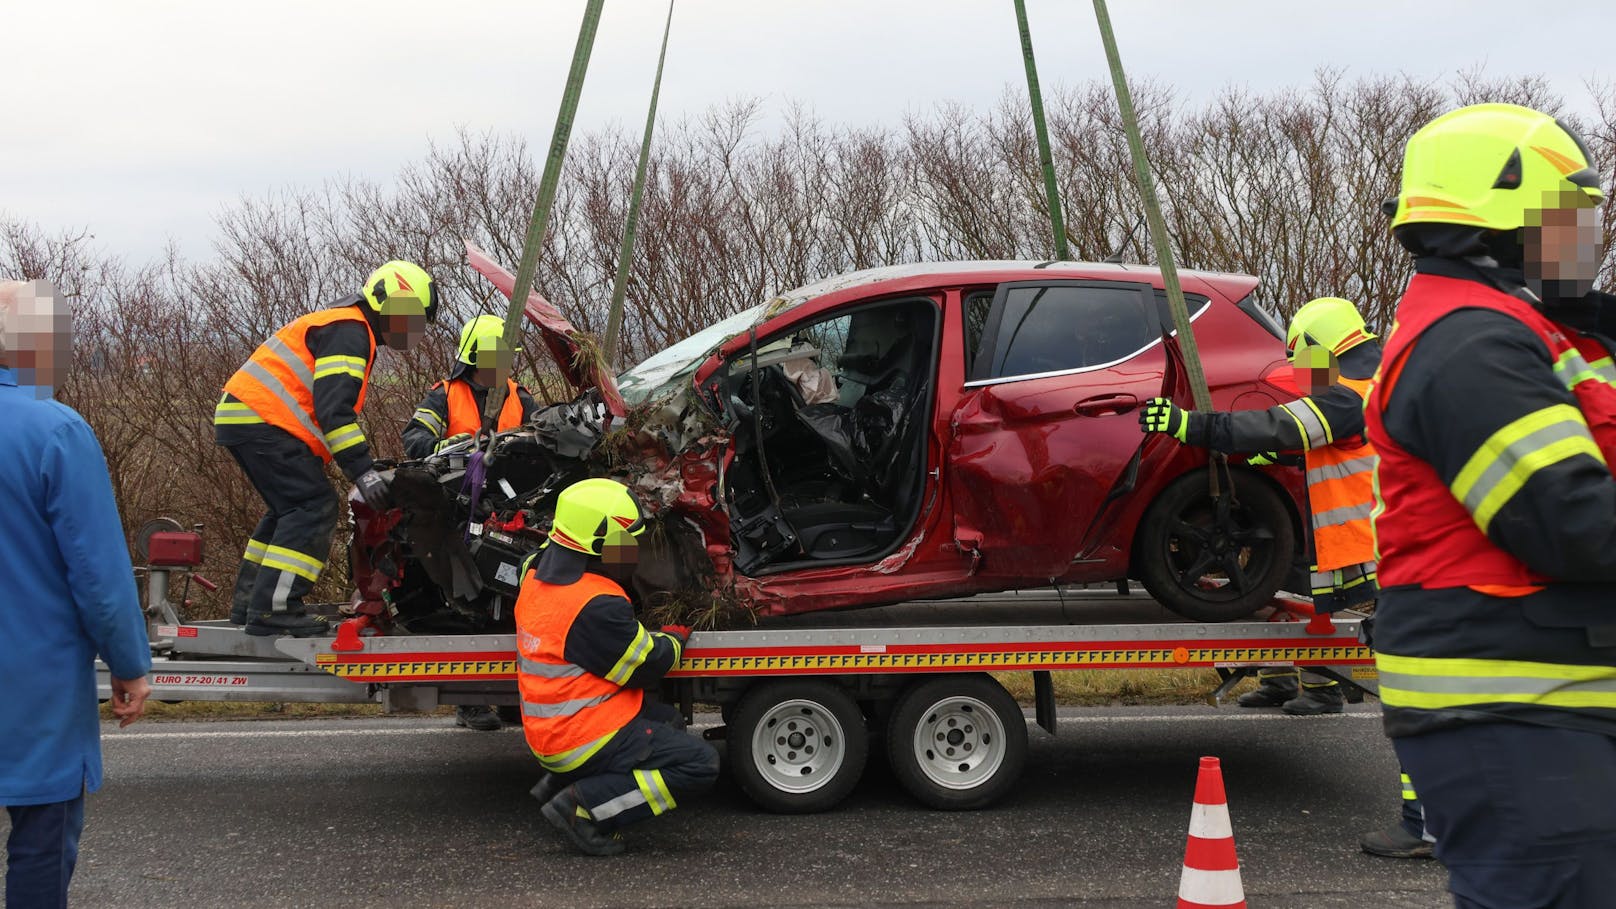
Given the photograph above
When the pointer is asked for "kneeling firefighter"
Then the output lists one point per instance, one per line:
(453, 408)
(613, 756)
(1334, 357)
(291, 409)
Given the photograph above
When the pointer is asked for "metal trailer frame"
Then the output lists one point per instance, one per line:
(839, 679)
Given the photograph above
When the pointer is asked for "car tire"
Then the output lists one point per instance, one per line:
(797, 746)
(957, 742)
(1178, 531)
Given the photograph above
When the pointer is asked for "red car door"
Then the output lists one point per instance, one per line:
(1048, 423)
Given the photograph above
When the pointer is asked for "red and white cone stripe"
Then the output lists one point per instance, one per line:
(1211, 877)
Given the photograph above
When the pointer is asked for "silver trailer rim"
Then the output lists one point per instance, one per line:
(959, 743)
(798, 746)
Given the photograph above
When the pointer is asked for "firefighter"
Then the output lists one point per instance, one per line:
(292, 408)
(1334, 356)
(1495, 420)
(453, 409)
(613, 756)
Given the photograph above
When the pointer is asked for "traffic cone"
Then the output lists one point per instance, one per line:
(1211, 878)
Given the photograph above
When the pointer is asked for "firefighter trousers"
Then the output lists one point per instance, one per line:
(638, 774)
(1521, 814)
(289, 547)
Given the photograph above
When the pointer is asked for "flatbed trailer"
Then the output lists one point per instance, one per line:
(804, 698)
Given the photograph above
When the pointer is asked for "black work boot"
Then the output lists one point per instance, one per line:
(546, 788)
(479, 717)
(283, 624)
(1272, 691)
(1317, 699)
(1396, 843)
(566, 814)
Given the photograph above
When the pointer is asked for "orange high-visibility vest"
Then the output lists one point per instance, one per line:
(277, 381)
(1341, 495)
(568, 713)
(466, 417)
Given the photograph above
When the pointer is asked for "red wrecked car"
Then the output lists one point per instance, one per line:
(917, 431)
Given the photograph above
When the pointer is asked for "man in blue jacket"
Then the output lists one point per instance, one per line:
(68, 596)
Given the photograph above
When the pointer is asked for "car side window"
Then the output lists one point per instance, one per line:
(978, 306)
(1046, 328)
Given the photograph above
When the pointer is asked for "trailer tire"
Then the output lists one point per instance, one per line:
(957, 742)
(797, 747)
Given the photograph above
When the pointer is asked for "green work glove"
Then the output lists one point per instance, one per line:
(452, 440)
(1263, 459)
(1162, 415)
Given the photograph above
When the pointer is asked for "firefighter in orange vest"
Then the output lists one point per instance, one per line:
(613, 756)
(1334, 357)
(1494, 415)
(453, 409)
(293, 408)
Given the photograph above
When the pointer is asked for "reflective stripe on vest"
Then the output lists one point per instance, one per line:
(1434, 683)
(1341, 497)
(568, 713)
(276, 384)
(466, 417)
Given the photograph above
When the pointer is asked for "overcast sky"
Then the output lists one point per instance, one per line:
(143, 119)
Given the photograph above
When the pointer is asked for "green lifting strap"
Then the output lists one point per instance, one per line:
(536, 227)
(1153, 216)
(1057, 224)
(625, 252)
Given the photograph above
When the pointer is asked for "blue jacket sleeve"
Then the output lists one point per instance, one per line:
(84, 520)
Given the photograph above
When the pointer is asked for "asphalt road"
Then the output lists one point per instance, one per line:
(415, 813)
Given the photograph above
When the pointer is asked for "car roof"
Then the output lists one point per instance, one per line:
(1232, 285)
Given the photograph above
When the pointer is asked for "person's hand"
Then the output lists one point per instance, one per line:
(682, 632)
(1162, 415)
(451, 441)
(372, 488)
(129, 699)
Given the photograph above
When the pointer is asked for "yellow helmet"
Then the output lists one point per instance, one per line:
(402, 283)
(1487, 165)
(1328, 322)
(588, 510)
(480, 334)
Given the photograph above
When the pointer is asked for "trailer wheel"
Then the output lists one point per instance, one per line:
(797, 747)
(957, 742)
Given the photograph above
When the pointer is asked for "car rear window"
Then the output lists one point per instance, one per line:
(1262, 315)
(1059, 328)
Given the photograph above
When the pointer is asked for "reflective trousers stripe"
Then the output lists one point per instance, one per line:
(1434, 683)
(562, 708)
(1408, 789)
(549, 670)
(655, 790)
(255, 552)
(283, 559)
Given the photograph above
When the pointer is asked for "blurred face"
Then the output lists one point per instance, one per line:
(38, 340)
(619, 555)
(1315, 369)
(403, 322)
(1561, 249)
